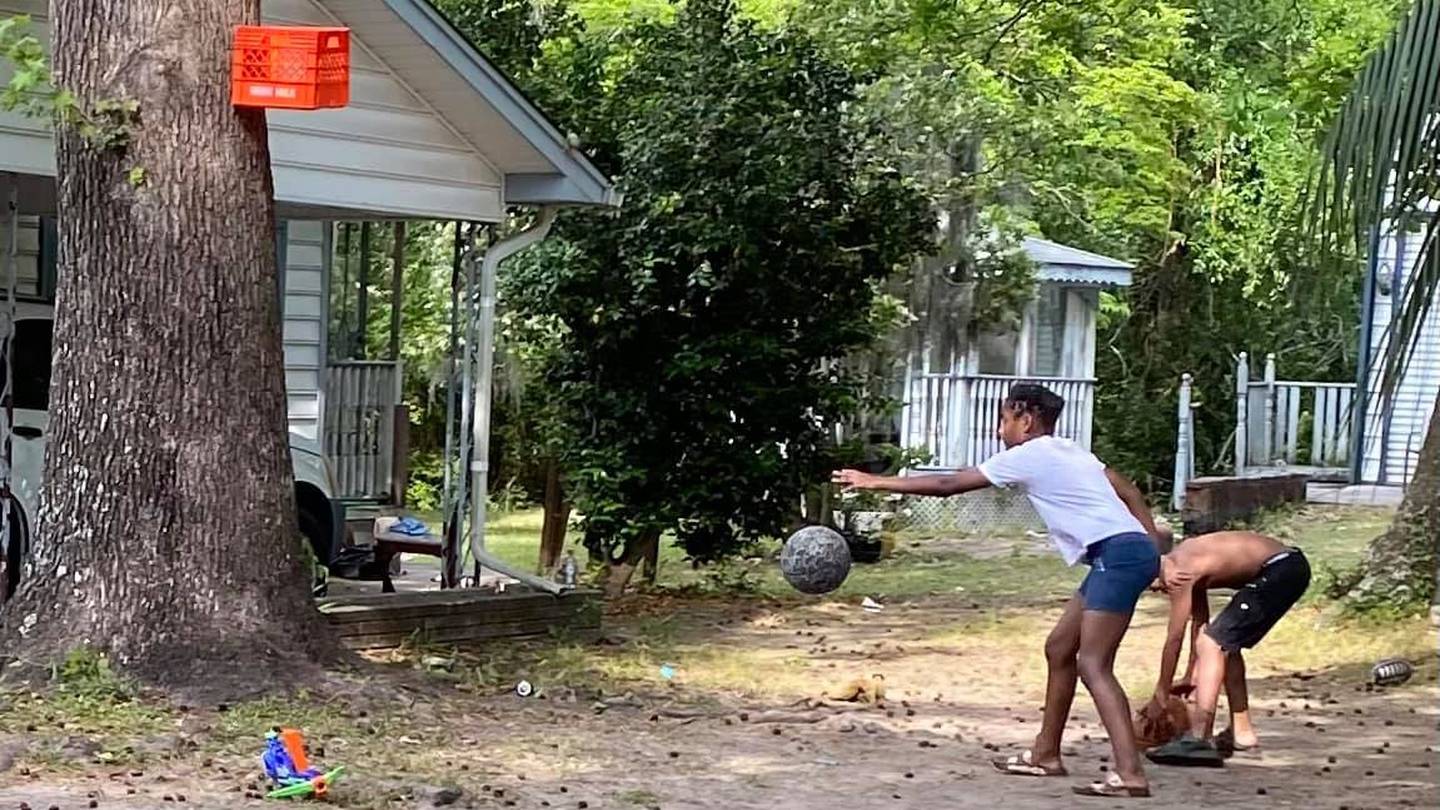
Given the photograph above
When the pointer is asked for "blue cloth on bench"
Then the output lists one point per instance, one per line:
(410, 527)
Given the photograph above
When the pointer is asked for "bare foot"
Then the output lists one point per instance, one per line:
(1230, 740)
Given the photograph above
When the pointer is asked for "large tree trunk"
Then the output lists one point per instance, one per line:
(167, 528)
(557, 520)
(1400, 569)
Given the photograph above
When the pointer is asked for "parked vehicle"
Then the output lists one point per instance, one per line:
(321, 518)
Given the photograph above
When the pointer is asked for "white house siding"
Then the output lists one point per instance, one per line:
(25, 146)
(1396, 430)
(306, 255)
(388, 151)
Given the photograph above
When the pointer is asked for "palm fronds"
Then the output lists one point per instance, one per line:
(1380, 168)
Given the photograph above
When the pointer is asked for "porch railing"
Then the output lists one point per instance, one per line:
(954, 416)
(361, 400)
(1291, 424)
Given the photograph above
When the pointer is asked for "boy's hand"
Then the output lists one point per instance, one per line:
(852, 479)
(1176, 578)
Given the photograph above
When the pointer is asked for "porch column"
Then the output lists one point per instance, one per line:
(1078, 356)
(1025, 343)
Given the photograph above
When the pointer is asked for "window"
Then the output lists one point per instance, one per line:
(32, 363)
(1049, 331)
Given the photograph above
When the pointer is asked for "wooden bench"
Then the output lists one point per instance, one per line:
(388, 544)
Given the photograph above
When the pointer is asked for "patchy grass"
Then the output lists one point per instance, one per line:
(960, 637)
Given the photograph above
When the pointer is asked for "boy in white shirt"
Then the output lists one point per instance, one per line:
(1094, 515)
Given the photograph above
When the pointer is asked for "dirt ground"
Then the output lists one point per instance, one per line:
(963, 669)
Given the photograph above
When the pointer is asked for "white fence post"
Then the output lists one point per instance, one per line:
(1242, 412)
(1268, 440)
(1184, 445)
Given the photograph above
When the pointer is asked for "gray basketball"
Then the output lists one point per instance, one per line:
(815, 559)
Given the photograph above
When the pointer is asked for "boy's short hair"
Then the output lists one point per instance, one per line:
(1038, 401)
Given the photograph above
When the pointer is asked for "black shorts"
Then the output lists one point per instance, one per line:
(1260, 603)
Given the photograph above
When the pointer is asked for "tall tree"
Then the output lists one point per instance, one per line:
(167, 534)
(700, 325)
(1382, 166)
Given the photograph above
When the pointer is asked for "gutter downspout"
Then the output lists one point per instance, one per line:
(484, 374)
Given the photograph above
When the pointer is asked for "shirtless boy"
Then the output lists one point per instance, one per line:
(1269, 579)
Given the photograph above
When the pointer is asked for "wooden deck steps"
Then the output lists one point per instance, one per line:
(374, 621)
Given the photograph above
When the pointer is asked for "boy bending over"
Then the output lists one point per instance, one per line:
(1094, 515)
(1270, 578)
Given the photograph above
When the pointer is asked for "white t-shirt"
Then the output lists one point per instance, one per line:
(1067, 485)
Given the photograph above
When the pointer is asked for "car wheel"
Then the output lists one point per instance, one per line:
(312, 530)
(16, 545)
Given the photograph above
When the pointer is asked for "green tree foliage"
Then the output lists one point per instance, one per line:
(699, 327)
(1177, 135)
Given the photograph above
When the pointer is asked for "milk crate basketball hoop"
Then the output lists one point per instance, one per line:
(290, 68)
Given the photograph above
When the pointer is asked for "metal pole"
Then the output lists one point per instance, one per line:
(467, 370)
(362, 296)
(1242, 412)
(484, 372)
(1185, 445)
(446, 496)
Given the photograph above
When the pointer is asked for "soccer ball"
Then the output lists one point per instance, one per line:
(816, 559)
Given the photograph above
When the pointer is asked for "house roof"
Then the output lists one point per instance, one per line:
(538, 162)
(1061, 263)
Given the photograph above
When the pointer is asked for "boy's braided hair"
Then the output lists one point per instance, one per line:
(1038, 401)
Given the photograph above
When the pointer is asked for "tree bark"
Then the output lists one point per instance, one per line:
(167, 532)
(617, 578)
(557, 519)
(650, 564)
(1400, 568)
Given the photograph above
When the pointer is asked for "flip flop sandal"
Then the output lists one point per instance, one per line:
(1187, 752)
(1023, 764)
(1112, 788)
(1225, 744)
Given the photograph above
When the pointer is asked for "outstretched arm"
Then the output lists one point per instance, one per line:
(1180, 606)
(940, 484)
(1131, 496)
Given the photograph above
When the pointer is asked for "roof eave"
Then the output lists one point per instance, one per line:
(1079, 275)
(577, 181)
(556, 189)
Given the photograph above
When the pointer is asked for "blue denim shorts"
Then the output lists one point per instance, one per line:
(1121, 568)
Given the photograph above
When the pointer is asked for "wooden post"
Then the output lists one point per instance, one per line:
(965, 394)
(1267, 442)
(1184, 445)
(397, 288)
(1242, 412)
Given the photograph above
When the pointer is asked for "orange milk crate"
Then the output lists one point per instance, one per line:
(290, 68)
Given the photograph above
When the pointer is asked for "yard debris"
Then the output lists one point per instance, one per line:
(868, 690)
(871, 606)
(524, 689)
(438, 662)
(667, 671)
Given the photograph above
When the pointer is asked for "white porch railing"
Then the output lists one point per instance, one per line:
(954, 416)
(361, 397)
(1303, 426)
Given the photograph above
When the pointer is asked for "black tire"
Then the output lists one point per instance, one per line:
(16, 547)
(312, 528)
